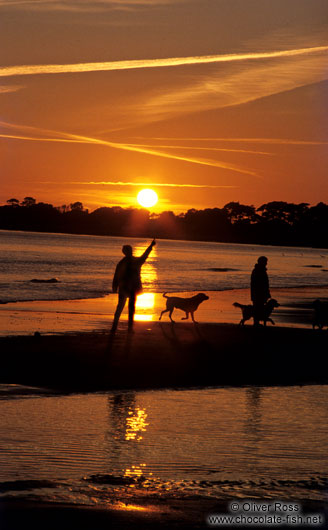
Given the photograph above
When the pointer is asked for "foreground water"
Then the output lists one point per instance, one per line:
(84, 266)
(218, 442)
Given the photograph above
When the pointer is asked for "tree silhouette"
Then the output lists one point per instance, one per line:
(240, 212)
(275, 222)
(28, 201)
(13, 202)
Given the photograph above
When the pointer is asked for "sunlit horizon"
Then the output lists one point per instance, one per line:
(228, 113)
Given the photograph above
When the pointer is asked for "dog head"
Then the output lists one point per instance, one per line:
(201, 297)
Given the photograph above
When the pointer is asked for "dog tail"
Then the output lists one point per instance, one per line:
(236, 304)
(164, 294)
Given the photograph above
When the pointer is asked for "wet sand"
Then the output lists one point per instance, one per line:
(188, 513)
(160, 355)
(51, 317)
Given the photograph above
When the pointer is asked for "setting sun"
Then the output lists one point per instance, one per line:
(147, 198)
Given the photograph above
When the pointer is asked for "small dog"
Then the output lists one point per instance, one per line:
(320, 314)
(188, 305)
(248, 311)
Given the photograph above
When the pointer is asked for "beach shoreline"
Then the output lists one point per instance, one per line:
(189, 513)
(96, 314)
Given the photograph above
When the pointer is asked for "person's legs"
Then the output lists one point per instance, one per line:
(132, 308)
(120, 306)
(258, 311)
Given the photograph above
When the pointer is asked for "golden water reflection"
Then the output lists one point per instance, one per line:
(135, 424)
(145, 307)
(135, 471)
(145, 303)
(129, 425)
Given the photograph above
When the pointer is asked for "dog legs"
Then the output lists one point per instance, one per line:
(165, 311)
(170, 309)
(186, 317)
(162, 313)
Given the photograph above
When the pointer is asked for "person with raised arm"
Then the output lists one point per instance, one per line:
(127, 282)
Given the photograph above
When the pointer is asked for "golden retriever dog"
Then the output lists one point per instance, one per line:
(188, 305)
(320, 314)
(264, 314)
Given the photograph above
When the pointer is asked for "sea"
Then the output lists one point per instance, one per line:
(102, 448)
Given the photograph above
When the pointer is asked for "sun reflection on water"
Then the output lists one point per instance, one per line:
(145, 307)
(135, 471)
(136, 424)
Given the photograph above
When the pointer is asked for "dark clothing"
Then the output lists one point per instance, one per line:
(127, 274)
(260, 291)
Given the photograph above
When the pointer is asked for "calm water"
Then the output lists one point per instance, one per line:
(248, 442)
(84, 265)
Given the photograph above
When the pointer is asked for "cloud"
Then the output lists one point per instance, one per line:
(154, 184)
(250, 82)
(20, 70)
(272, 141)
(5, 89)
(197, 148)
(82, 5)
(44, 136)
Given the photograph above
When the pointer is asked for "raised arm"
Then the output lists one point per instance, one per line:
(148, 250)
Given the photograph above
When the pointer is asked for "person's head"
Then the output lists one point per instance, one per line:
(262, 261)
(127, 250)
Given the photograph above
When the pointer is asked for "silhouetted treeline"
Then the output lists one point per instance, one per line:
(273, 223)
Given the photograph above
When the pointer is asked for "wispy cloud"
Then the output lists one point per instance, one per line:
(21, 70)
(9, 88)
(153, 184)
(222, 89)
(82, 5)
(273, 141)
(44, 135)
(197, 148)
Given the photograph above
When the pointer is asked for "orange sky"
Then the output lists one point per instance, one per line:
(206, 101)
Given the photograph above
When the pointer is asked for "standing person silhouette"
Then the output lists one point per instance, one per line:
(127, 281)
(260, 289)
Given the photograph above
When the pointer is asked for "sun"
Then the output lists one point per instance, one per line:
(147, 198)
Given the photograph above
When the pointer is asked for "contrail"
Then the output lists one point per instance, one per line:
(8, 71)
(154, 184)
(74, 138)
(283, 141)
(197, 148)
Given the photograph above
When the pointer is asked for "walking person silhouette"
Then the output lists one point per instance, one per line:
(260, 289)
(127, 282)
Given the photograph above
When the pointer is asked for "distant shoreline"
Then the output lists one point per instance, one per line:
(274, 223)
(159, 238)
